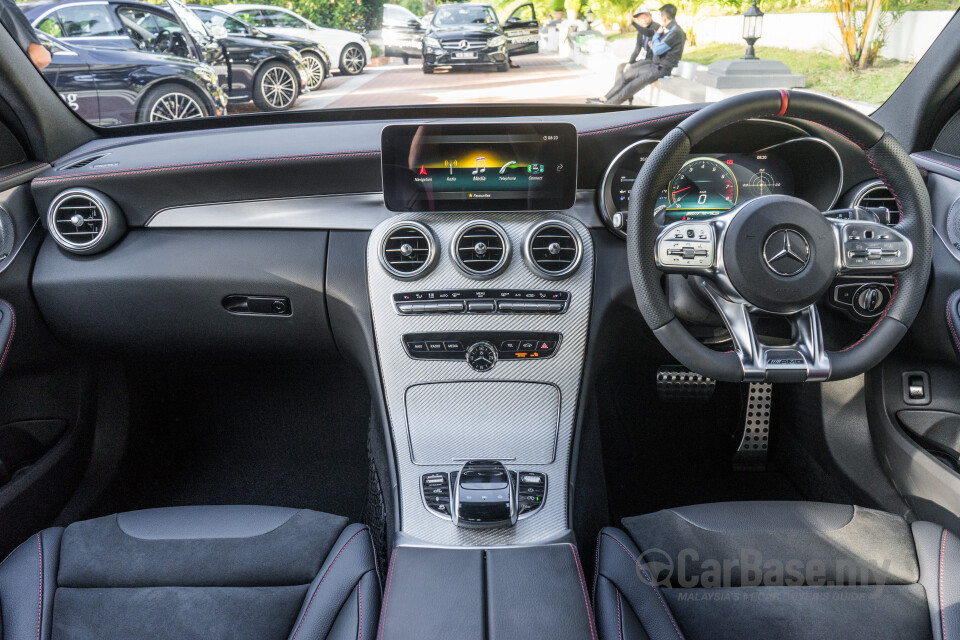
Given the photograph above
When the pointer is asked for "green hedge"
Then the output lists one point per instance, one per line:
(359, 16)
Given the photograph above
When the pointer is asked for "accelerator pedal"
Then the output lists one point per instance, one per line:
(752, 451)
(676, 384)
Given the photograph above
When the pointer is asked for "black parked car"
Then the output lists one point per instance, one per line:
(402, 33)
(113, 86)
(222, 24)
(271, 75)
(470, 35)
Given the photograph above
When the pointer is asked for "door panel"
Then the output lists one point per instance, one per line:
(522, 31)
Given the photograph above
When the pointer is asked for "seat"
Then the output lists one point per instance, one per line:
(213, 572)
(786, 570)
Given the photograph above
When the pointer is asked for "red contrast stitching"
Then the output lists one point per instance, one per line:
(583, 587)
(951, 304)
(650, 584)
(202, 165)
(619, 618)
(13, 330)
(19, 173)
(325, 573)
(943, 616)
(386, 597)
(675, 116)
(40, 597)
(935, 161)
(360, 607)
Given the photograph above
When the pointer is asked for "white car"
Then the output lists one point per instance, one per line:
(349, 51)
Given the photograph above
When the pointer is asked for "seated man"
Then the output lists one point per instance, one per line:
(646, 29)
(667, 47)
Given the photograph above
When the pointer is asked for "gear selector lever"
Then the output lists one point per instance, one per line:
(485, 496)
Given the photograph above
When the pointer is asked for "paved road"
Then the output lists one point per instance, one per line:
(540, 78)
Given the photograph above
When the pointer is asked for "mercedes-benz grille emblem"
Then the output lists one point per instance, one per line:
(786, 252)
(464, 45)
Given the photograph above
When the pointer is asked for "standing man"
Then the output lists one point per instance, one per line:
(667, 49)
(22, 31)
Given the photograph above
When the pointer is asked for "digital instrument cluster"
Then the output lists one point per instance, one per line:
(709, 184)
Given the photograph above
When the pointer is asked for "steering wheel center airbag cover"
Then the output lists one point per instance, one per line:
(780, 253)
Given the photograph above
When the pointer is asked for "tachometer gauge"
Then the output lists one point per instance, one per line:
(702, 184)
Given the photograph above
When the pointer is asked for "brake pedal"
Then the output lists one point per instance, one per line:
(676, 383)
(756, 426)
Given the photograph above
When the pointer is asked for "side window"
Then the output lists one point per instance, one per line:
(252, 16)
(282, 19)
(213, 19)
(523, 14)
(146, 23)
(390, 13)
(51, 26)
(85, 21)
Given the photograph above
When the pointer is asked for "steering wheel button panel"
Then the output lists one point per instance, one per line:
(686, 245)
(872, 246)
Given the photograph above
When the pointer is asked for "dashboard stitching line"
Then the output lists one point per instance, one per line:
(13, 330)
(675, 116)
(934, 160)
(325, 574)
(203, 165)
(27, 170)
(583, 587)
(649, 582)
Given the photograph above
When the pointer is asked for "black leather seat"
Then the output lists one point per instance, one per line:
(777, 570)
(194, 572)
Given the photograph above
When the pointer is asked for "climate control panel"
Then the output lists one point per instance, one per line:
(482, 349)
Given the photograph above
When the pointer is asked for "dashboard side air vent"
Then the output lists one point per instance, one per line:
(481, 249)
(408, 250)
(553, 249)
(877, 195)
(85, 221)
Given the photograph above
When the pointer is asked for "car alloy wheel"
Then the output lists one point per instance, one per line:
(278, 87)
(353, 60)
(175, 106)
(316, 71)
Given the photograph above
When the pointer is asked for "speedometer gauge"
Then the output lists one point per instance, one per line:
(703, 186)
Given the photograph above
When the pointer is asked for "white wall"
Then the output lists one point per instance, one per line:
(907, 40)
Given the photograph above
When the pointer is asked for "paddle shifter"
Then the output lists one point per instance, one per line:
(485, 496)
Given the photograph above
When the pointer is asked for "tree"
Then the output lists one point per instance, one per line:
(863, 28)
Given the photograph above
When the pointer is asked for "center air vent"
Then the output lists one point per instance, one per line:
(84, 221)
(481, 248)
(553, 249)
(408, 250)
(878, 195)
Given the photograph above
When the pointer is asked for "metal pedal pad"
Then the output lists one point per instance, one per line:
(676, 383)
(756, 426)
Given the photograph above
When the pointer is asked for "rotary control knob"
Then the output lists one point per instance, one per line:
(868, 300)
(482, 356)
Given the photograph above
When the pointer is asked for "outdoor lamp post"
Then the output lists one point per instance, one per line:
(752, 28)
(589, 17)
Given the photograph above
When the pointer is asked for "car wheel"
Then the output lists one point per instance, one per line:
(316, 70)
(171, 102)
(427, 69)
(276, 87)
(503, 67)
(405, 58)
(352, 60)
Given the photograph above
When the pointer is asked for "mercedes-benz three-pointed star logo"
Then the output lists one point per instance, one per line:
(464, 45)
(786, 252)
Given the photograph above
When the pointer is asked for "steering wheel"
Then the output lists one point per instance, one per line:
(163, 42)
(777, 255)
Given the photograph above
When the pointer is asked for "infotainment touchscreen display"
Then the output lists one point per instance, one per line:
(479, 167)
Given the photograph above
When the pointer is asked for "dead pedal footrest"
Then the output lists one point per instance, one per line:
(676, 383)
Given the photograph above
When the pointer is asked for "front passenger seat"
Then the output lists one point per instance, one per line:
(785, 570)
(218, 572)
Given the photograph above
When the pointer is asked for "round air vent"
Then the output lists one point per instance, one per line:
(877, 195)
(553, 249)
(408, 250)
(481, 249)
(85, 221)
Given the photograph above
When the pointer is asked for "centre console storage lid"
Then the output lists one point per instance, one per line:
(486, 594)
